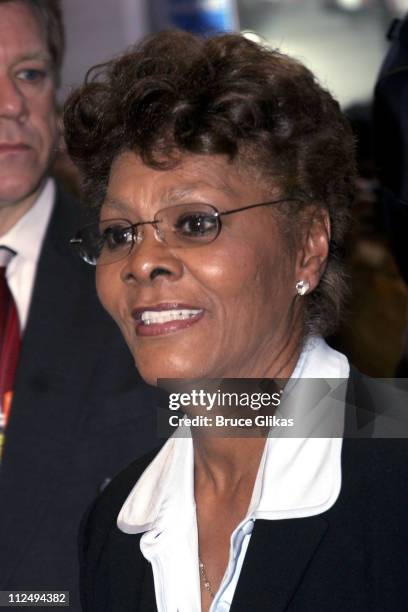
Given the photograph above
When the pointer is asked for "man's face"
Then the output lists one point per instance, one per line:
(28, 120)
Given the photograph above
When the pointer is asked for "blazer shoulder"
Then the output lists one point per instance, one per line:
(68, 215)
(98, 534)
(376, 408)
(67, 208)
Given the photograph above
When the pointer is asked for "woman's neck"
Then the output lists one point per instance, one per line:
(225, 463)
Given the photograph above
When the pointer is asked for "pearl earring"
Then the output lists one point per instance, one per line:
(302, 287)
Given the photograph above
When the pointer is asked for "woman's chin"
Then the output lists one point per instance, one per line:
(154, 373)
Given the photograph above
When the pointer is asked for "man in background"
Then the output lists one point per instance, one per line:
(390, 135)
(73, 410)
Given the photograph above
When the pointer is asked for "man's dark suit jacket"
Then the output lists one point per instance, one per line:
(80, 414)
(352, 557)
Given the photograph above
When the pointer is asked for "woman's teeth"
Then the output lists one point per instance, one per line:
(151, 317)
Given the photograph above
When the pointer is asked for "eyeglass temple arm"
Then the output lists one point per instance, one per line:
(230, 212)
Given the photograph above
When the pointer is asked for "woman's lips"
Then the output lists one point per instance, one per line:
(165, 318)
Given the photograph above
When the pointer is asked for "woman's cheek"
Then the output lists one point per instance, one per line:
(105, 289)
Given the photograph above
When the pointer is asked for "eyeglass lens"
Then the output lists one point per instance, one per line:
(185, 225)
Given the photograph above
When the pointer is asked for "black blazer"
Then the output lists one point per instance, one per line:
(352, 557)
(80, 414)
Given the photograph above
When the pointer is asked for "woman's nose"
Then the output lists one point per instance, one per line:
(151, 259)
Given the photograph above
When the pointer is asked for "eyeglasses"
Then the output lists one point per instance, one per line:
(180, 226)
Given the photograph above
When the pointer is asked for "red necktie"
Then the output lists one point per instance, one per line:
(9, 339)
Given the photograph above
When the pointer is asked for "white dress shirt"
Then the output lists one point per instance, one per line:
(297, 477)
(26, 238)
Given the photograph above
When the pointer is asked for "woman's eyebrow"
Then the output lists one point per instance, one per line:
(172, 195)
(180, 192)
(116, 204)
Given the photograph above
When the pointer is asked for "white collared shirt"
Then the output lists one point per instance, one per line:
(26, 238)
(297, 477)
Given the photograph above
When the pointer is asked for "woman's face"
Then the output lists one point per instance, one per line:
(238, 292)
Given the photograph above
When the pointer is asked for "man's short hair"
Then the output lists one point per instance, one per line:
(49, 13)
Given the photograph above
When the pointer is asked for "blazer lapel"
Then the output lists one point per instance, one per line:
(44, 420)
(277, 557)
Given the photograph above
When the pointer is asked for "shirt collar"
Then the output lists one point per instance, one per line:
(301, 476)
(157, 494)
(26, 236)
(297, 476)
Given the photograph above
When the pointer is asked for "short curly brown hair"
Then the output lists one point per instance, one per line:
(177, 93)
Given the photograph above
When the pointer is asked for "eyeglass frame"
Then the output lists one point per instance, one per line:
(217, 214)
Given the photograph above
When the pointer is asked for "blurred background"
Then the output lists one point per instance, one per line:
(344, 43)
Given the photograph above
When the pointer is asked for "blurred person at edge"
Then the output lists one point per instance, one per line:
(76, 413)
(390, 135)
(223, 174)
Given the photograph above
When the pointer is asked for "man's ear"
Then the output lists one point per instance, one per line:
(312, 256)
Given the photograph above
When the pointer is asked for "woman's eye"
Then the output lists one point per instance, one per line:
(196, 225)
(116, 236)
